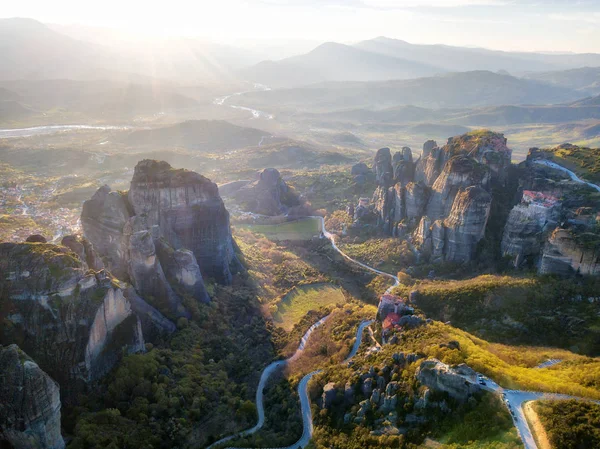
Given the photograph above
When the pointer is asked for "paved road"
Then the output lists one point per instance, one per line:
(548, 363)
(515, 400)
(572, 175)
(264, 377)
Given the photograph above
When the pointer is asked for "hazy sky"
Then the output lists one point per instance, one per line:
(550, 25)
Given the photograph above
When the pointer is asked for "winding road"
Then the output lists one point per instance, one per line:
(572, 175)
(303, 386)
(514, 398)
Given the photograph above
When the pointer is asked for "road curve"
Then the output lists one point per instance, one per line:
(515, 400)
(572, 175)
(303, 386)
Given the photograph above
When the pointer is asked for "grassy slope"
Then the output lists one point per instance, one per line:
(293, 306)
(540, 311)
(304, 229)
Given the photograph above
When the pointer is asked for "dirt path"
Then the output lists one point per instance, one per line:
(536, 426)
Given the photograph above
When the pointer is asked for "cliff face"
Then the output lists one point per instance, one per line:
(191, 214)
(29, 403)
(566, 252)
(268, 195)
(72, 321)
(532, 235)
(102, 219)
(169, 232)
(444, 197)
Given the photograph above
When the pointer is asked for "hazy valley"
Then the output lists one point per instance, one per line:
(296, 244)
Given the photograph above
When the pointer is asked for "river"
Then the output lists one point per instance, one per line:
(51, 129)
(255, 112)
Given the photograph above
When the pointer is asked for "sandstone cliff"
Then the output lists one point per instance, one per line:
(169, 232)
(74, 322)
(439, 377)
(444, 198)
(29, 403)
(554, 225)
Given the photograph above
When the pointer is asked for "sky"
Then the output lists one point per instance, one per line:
(523, 25)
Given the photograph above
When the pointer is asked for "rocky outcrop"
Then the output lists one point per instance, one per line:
(416, 197)
(85, 250)
(268, 195)
(29, 403)
(465, 226)
(459, 173)
(102, 219)
(165, 236)
(439, 377)
(382, 167)
(403, 165)
(190, 213)
(74, 322)
(526, 231)
(568, 252)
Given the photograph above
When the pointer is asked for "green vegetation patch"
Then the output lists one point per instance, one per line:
(583, 161)
(293, 306)
(570, 424)
(303, 229)
(540, 311)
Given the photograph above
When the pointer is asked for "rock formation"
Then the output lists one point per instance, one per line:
(268, 195)
(169, 232)
(103, 218)
(554, 226)
(29, 403)
(443, 198)
(568, 252)
(465, 226)
(73, 321)
(439, 377)
(190, 213)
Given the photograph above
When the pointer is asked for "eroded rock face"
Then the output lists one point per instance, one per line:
(567, 252)
(382, 167)
(85, 250)
(403, 165)
(73, 322)
(102, 219)
(465, 226)
(268, 195)
(29, 403)
(165, 236)
(459, 172)
(190, 213)
(438, 376)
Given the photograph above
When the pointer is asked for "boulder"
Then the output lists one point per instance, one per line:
(329, 394)
(29, 403)
(439, 377)
(36, 238)
(360, 169)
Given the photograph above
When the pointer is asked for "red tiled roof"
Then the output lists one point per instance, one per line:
(391, 320)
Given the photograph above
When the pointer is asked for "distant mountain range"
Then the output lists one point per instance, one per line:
(453, 90)
(34, 51)
(391, 59)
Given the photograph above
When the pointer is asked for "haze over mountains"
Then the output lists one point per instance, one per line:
(77, 74)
